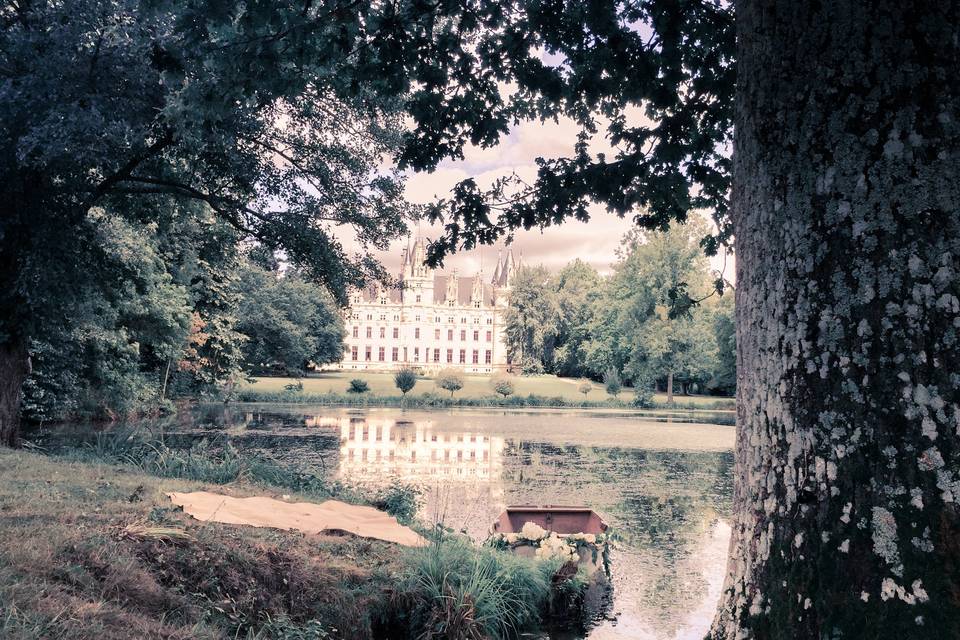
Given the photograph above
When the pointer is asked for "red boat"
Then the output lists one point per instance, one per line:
(575, 533)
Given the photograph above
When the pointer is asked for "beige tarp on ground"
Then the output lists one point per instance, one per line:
(308, 517)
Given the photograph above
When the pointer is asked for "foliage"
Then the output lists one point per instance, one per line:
(530, 321)
(724, 380)
(358, 386)
(434, 400)
(289, 322)
(578, 287)
(585, 387)
(400, 500)
(405, 379)
(450, 379)
(502, 385)
(612, 383)
(458, 591)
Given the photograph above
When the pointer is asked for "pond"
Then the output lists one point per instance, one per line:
(663, 486)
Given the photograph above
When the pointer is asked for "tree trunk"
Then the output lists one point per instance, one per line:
(670, 388)
(846, 205)
(14, 369)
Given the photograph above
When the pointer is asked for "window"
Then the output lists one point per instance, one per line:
(437, 319)
(381, 353)
(383, 316)
(436, 334)
(489, 320)
(449, 356)
(450, 334)
(463, 334)
(463, 320)
(366, 355)
(477, 304)
(416, 332)
(369, 332)
(395, 354)
(356, 332)
(353, 353)
(436, 355)
(418, 297)
(418, 317)
(369, 316)
(489, 336)
(487, 357)
(476, 357)
(450, 319)
(383, 332)
(396, 318)
(463, 356)
(416, 354)
(476, 336)
(396, 332)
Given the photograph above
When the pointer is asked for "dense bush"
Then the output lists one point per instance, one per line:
(358, 386)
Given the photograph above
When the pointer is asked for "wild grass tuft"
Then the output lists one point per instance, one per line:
(454, 590)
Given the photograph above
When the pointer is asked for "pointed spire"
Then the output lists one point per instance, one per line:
(496, 274)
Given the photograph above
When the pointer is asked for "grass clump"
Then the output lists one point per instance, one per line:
(452, 589)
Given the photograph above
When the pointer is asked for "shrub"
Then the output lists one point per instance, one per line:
(450, 380)
(458, 591)
(405, 379)
(585, 388)
(399, 500)
(358, 386)
(294, 387)
(612, 382)
(502, 385)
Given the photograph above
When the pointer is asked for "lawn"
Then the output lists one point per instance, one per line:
(476, 386)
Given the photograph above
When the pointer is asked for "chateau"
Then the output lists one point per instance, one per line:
(430, 320)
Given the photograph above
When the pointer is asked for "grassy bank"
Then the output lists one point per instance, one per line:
(108, 554)
(530, 391)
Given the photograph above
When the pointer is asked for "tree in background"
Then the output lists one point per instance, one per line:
(168, 331)
(612, 382)
(450, 380)
(114, 111)
(585, 388)
(290, 323)
(531, 319)
(665, 344)
(502, 385)
(405, 379)
(724, 379)
(578, 287)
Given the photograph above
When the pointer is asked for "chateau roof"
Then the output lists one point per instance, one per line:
(464, 291)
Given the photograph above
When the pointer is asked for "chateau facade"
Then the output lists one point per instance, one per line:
(430, 320)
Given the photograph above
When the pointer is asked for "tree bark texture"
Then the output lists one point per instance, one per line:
(846, 206)
(14, 369)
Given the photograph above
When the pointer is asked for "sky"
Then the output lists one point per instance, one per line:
(595, 242)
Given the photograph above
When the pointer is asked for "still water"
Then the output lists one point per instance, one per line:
(663, 487)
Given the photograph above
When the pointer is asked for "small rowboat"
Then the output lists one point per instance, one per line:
(575, 533)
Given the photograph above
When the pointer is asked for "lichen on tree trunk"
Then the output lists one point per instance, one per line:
(846, 206)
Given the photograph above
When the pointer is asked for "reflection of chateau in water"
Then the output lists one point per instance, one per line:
(414, 451)
(459, 471)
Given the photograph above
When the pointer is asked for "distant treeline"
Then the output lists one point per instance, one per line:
(657, 321)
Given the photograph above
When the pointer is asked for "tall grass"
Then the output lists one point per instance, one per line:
(455, 590)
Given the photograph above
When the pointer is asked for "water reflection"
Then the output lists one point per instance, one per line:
(665, 489)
